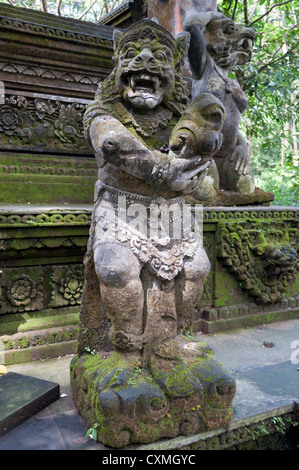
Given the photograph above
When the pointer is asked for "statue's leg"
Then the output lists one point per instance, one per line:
(118, 270)
(218, 386)
(189, 286)
(162, 352)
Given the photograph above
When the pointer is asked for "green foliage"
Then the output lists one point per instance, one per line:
(93, 432)
(87, 10)
(271, 84)
(284, 184)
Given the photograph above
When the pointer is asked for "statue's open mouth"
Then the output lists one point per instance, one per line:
(144, 83)
(245, 44)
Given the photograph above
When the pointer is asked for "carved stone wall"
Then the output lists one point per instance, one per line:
(41, 256)
(254, 267)
(51, 68)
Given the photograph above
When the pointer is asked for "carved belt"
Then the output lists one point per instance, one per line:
(164, 254)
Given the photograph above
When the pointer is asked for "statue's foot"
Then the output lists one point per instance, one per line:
(199, 358)
(169, 370)
(193, 350)
(174, 378)
(245, 184)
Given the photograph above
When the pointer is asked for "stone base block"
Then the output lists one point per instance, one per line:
(127, 403)
(28, 338)
(217, 320)
(21, 397)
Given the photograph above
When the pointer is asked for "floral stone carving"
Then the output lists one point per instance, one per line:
(21, 292)
(145, 263)
(67, 285)
(41, 123)
(218, 44)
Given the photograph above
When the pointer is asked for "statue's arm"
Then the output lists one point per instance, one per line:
(240, 156)
(114, 143)
(197, 53)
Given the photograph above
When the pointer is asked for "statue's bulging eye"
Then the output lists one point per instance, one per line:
(130, 54)
(230, 29)
(160, 56)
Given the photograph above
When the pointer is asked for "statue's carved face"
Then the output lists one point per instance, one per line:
(144, 73)
(229, 44)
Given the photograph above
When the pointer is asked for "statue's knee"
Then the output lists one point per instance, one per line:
(114, 266)
(198, 268)
(110, 274)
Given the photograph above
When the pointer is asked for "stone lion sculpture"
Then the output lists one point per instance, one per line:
(143, 276)
(217, 44)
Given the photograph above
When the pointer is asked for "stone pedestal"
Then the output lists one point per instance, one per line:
(130, 406)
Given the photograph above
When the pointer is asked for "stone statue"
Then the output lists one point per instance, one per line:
(217, 44)
(145, 378)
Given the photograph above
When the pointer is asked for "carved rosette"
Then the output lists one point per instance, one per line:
(263, 257)
(27, 289)
(67, 285)
(22, 292)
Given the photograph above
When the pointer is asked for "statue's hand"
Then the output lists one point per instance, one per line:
(185, 174)
(240, 160)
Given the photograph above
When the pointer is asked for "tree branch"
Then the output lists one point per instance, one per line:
(235, 9)
(230, 5)
(247, 77)
(45, 6)
(253, 10)
(87, 9)
(246, 13)
(277, 58)
(268, 11)
(59, 8)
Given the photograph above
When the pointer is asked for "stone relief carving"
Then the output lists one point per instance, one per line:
(41, 123)
(143, 275)
(23, 289)
(67, 285)
(218, 44)
(49, 74)
(60, 33)
(51, 218)
(263, 257)
(21, 292)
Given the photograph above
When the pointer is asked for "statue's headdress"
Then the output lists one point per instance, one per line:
(144, 30)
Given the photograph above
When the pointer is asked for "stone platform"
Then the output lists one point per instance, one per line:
(264, 362)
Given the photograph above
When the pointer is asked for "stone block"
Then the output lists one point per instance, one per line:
(21, 397)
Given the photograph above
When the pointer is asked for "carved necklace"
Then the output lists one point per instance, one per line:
(144, 125)
(227, 81)
(233, 87)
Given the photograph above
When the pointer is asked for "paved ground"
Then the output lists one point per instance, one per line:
(264, 361)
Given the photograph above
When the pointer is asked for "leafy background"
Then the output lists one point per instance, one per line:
(272, 87)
